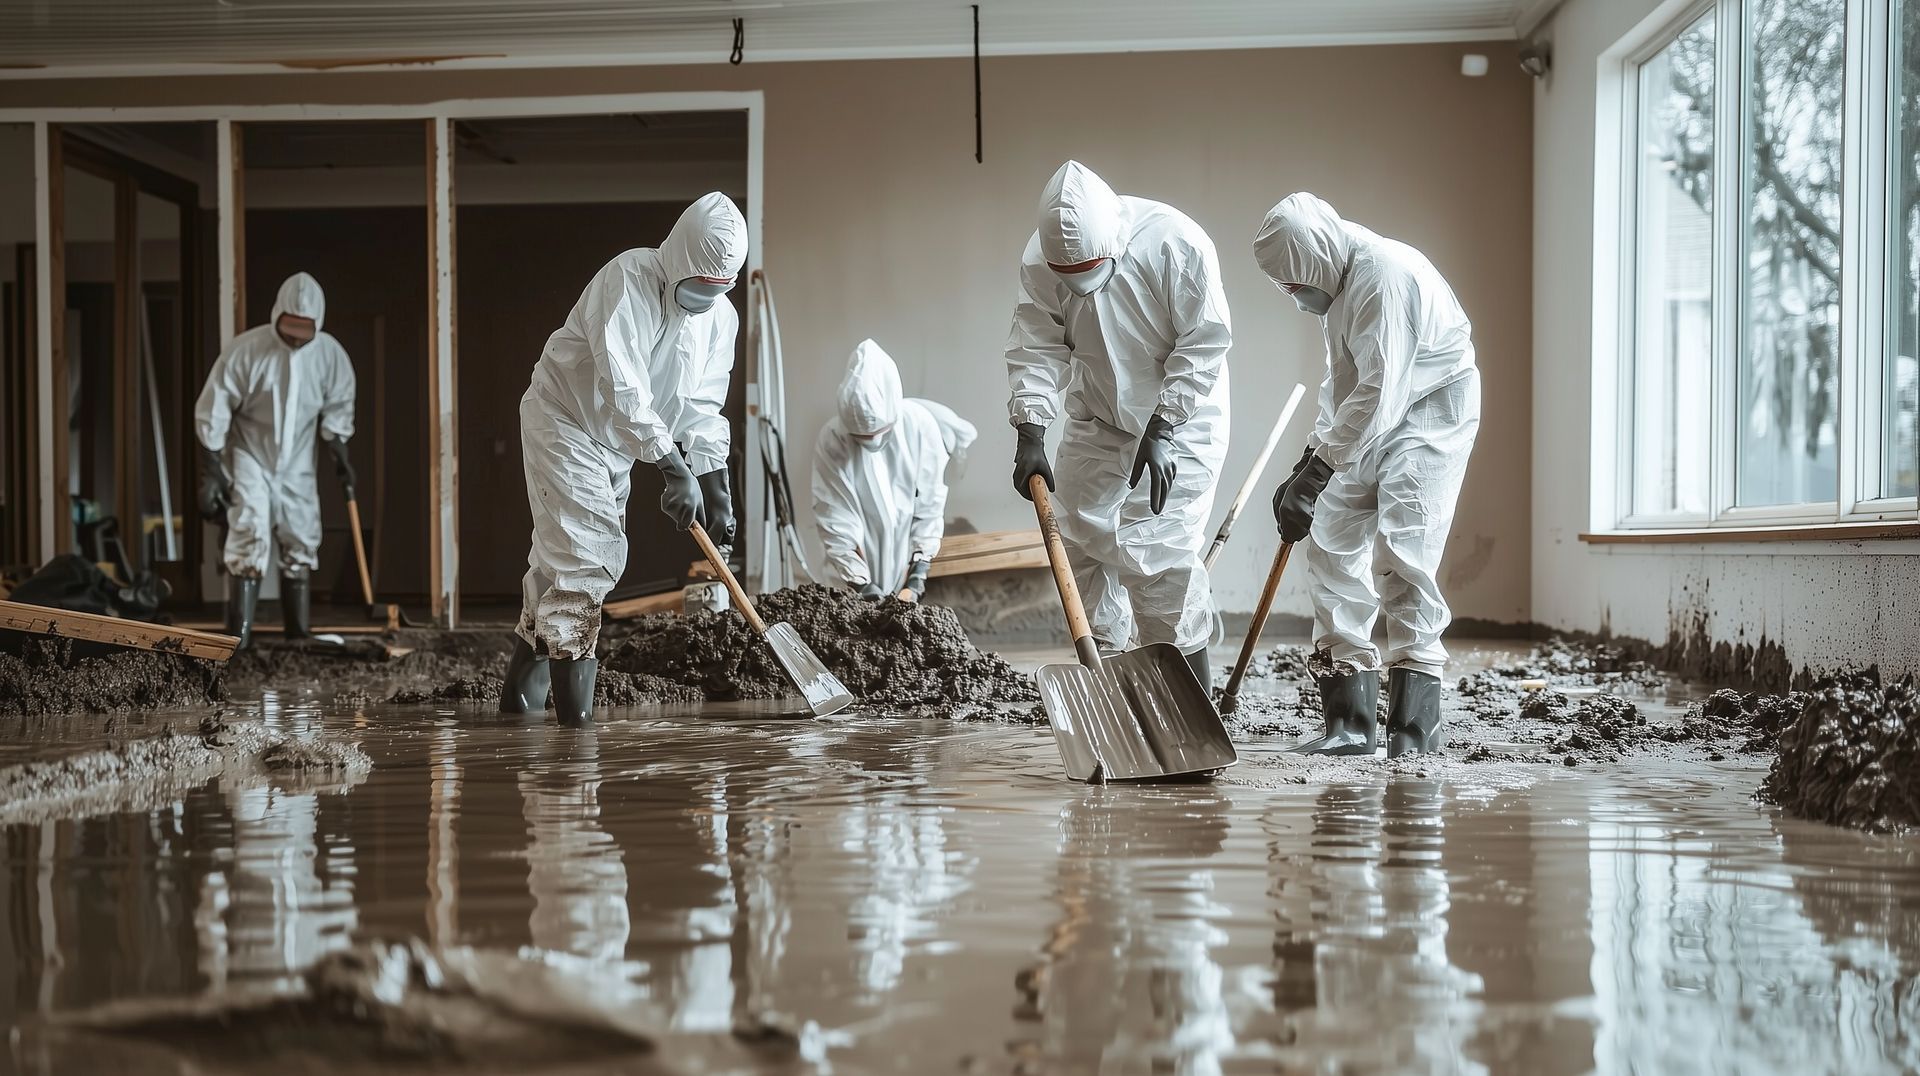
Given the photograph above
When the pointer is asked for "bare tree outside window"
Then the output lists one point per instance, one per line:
(1900, 394)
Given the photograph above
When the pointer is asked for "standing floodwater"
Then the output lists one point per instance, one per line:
(926, 896)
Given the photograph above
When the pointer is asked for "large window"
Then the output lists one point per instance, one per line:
(1769, 359)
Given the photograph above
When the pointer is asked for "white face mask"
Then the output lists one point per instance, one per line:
(695, 295)
(874, 442)
(1089, 281)
(1312, 300)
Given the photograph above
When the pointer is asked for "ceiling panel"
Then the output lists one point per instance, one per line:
(84, 36)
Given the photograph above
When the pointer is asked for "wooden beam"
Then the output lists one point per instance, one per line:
(38, 620)
(237, 213)
(443, 427)
(673, 601)
(60, 507)
(1009, 560)
(127, 421)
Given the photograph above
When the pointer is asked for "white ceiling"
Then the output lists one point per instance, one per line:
(54, 38)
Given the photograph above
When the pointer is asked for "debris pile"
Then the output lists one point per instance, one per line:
(47, 677)
(888, 653)
(1851, 755)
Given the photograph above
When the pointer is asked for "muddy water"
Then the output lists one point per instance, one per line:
(936, 899)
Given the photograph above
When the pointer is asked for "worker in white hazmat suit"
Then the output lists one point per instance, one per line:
(879, 480)
(1121, 312)
(1398, 411)
(273, 388)
(639, 371)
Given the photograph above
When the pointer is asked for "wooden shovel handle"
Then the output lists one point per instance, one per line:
(1259, 620)
(720, 568)
(359, 549)
(1077, 625)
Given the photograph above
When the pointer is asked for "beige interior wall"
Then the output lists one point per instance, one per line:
(879, 223)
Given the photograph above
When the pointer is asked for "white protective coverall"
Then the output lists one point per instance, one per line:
(259, 409)
(630, 375)
(1152, 340)
(1398, 411)
(878, 505)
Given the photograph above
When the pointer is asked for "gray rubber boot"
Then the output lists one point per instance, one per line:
(1349, 702)
(296, 603)
(528, 685)
(241, 598)
(572, 682)
(1413, 713)
(1202, 671)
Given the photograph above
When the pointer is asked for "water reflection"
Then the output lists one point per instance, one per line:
(575, 871)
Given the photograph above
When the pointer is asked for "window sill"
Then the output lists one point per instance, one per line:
(1818, 532)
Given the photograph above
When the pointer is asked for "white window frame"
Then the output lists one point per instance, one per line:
(1867, 309)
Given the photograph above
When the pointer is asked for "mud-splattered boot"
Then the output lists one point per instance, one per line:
(296, 603)
(572, 681)
(1349, 704)
(1202, 669)
(243, 594)
(1413, 713)
(527, 686)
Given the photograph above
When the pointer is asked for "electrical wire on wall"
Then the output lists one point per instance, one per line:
(739, 52)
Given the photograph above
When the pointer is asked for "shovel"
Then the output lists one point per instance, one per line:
(824, 692)
(1230, 695)
(1141, 715)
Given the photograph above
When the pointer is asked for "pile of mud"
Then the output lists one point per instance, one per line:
(1851, 754)
(46, 677)
(888, 653)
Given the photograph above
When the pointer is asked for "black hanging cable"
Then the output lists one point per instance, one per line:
(739, 42)
(979, 155)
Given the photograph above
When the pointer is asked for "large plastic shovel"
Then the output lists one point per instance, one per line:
(824, 692)
(1137, 716)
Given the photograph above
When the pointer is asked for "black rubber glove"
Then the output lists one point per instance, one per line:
(718, 498)
(871, 591)
(1030, 458)
(1293, 501)
(1155, 459)
(916, 583)
(681, 500)
(216, 486)
(342, 467)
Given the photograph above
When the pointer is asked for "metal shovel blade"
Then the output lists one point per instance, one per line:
(1139, 716)
(824, 692)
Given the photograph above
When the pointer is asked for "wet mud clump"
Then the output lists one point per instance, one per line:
(1852, 755)
(46, 676)
(888, 653)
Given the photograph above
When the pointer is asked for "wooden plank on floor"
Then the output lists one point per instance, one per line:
(92, 627)
(1010, 560)
(278, 629)
(673, 601)
(973, 545)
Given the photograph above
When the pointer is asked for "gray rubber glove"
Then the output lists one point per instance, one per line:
(871, 591)
(718, 498)
(1293, 502)
(1030, 458)
(681, 500)
(1155, 459)
(916, 583)
(342, 466)
(216, 486)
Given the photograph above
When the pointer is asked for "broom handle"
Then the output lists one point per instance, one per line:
(1077, 625)
(1253, 476)
(359, 550)
(1259, 621)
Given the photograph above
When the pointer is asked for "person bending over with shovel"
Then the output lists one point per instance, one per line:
(639, 371)
(1122, 312)
(272, 389)
(879, 480)
(1398, 411)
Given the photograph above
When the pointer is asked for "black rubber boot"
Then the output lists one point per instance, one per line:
(1413, 713)
(242, 594)
(1202, 671)
(296, 603)
(1349, 702)
(572, 682)
(528, 685)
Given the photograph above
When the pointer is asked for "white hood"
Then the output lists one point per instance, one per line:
(1080, 217)
(300, 295)
(1303, 241)
(709, 239)
(870, 392)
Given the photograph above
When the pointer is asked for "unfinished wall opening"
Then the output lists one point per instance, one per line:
(541, 204)
(131, 205)
(346, 202)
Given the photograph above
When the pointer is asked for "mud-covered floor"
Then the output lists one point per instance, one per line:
(708, 887)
